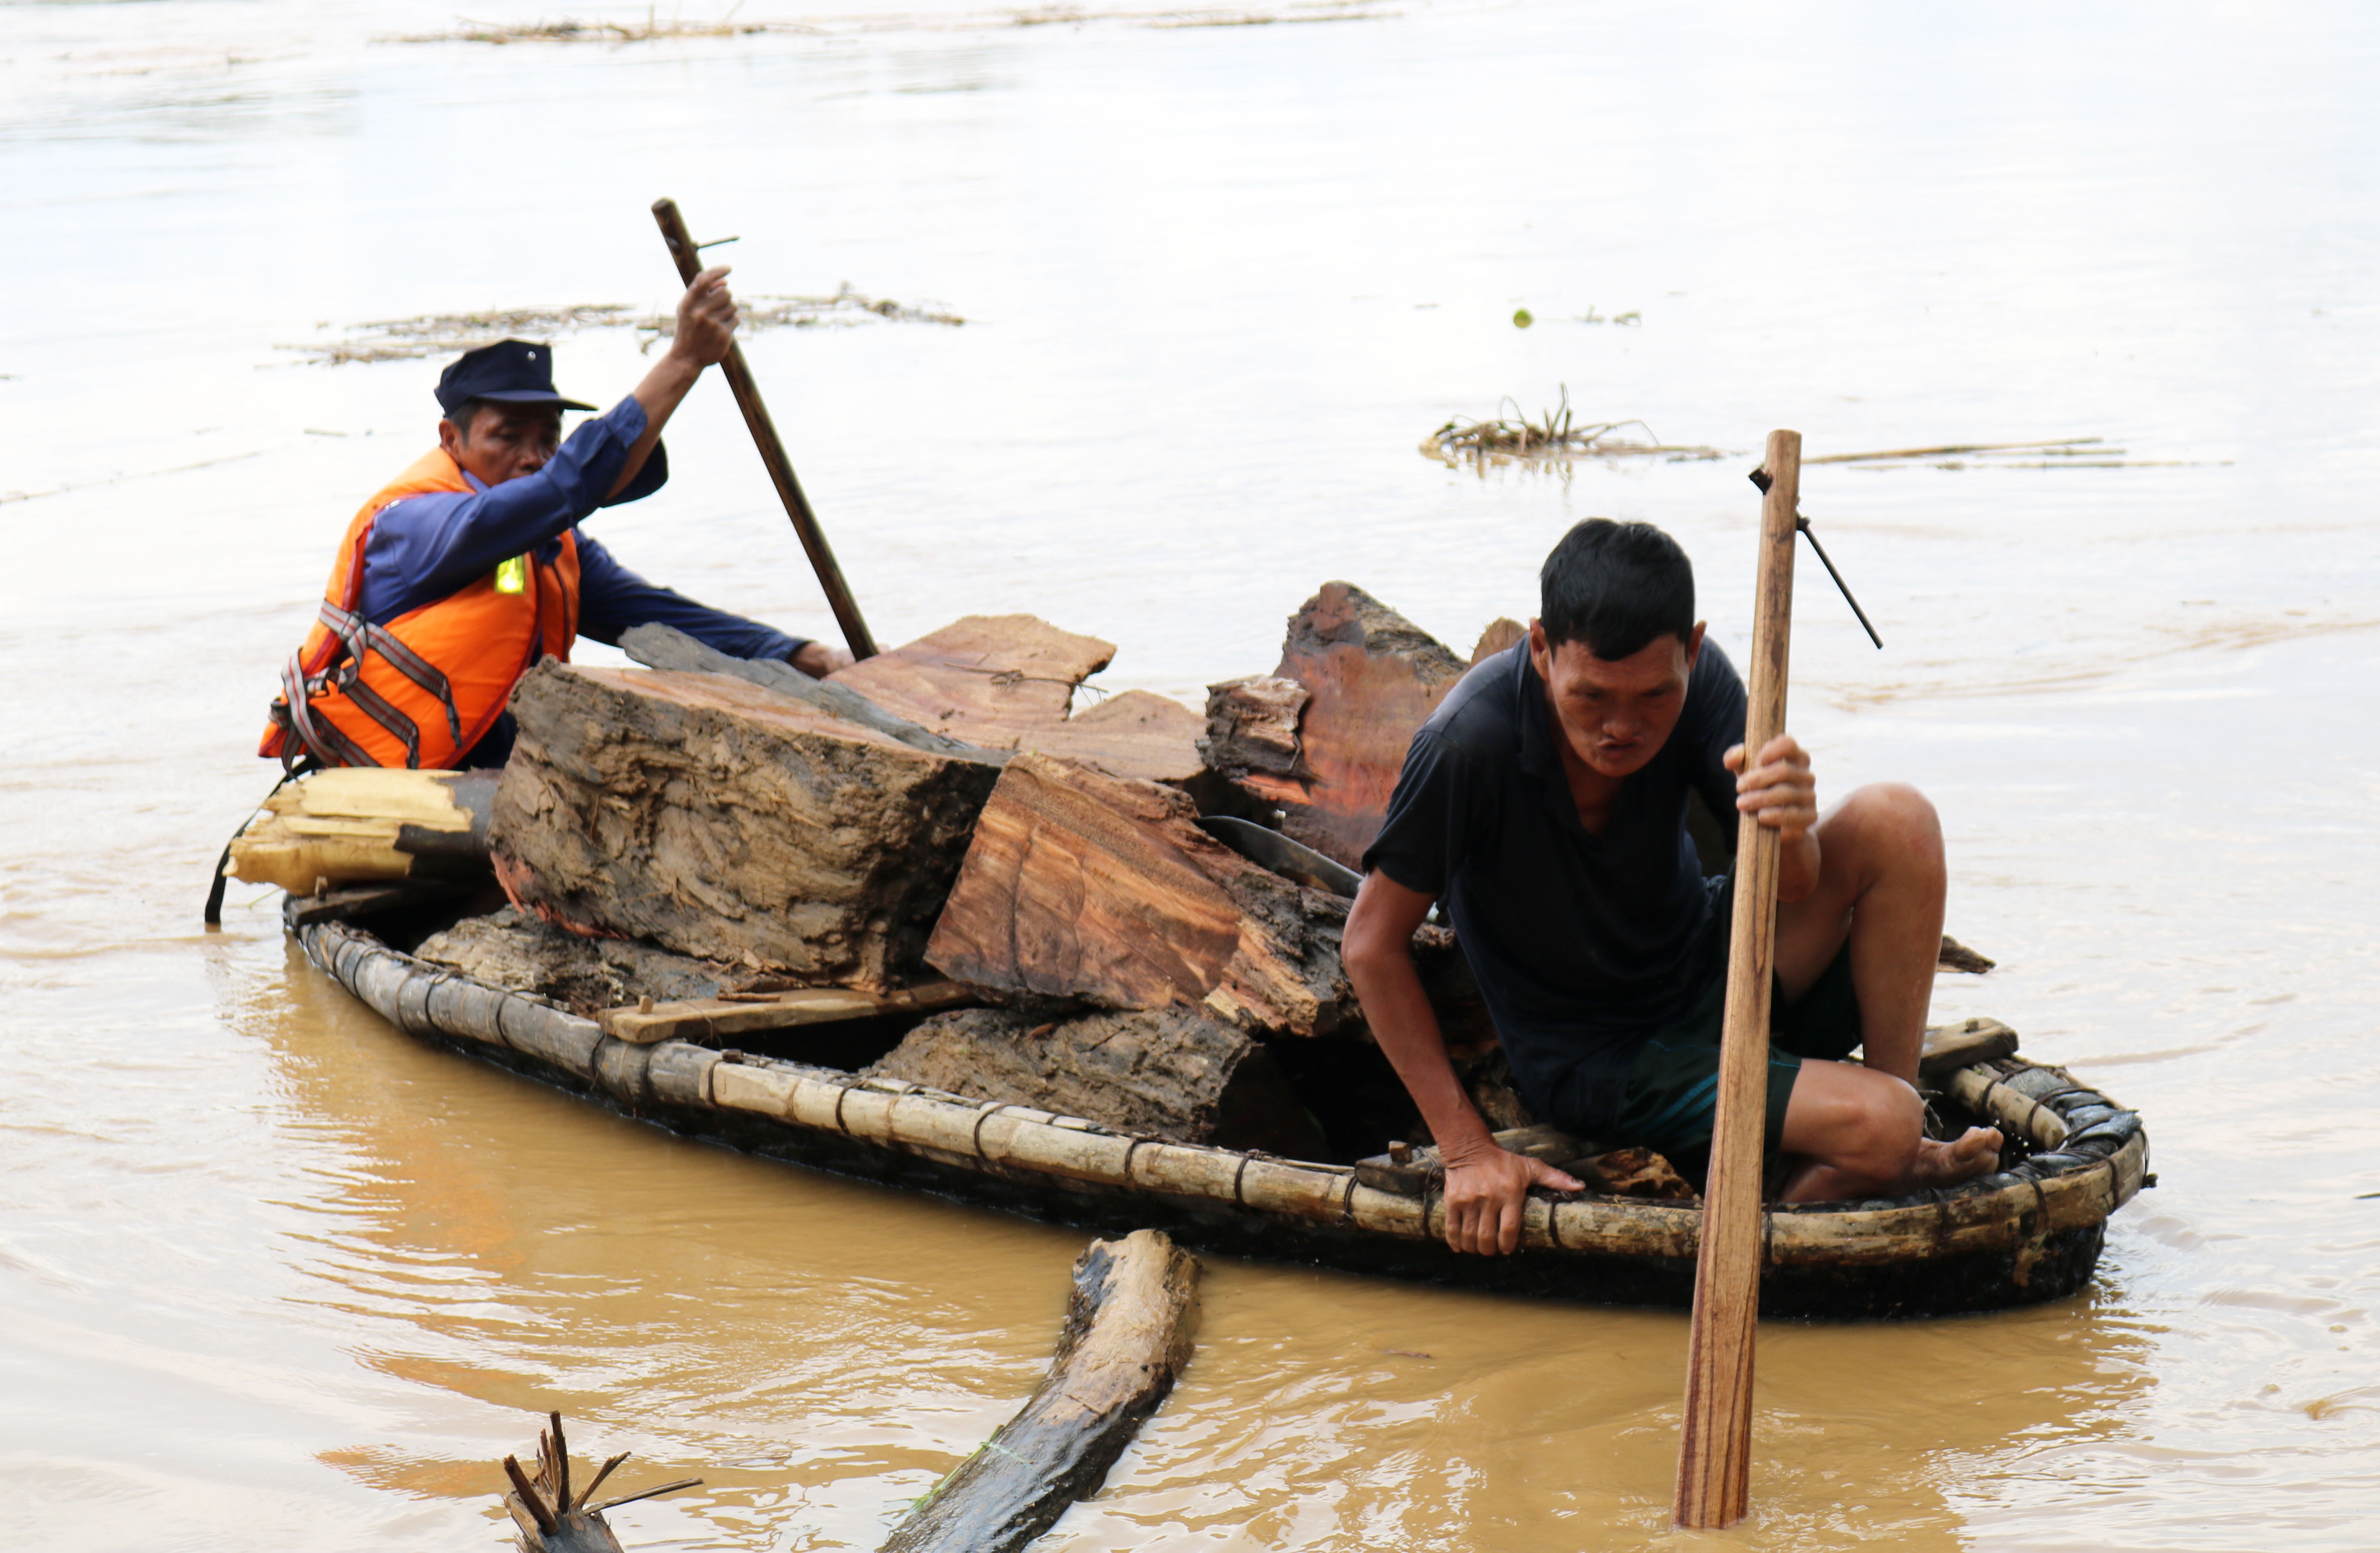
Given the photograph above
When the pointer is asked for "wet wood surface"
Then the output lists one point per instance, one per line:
(1080, 886)
(1127, 1335)
(718, 818)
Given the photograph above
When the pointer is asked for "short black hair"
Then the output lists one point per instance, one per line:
(1616, 586)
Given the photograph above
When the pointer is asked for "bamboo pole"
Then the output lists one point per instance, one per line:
(772, 450)
(1715, 1449)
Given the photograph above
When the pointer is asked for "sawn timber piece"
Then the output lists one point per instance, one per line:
(2019, 1236)
(703, 1019)
(1078, 885)
(724, 820)
(1008, 681)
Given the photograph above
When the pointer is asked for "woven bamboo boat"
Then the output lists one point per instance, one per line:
(2030, 1233)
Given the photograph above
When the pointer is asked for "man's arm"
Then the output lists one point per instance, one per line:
(425, 547)
(1485, 1186)
(613, 599)
(706, 330)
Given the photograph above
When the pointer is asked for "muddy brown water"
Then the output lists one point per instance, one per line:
(273, 1276)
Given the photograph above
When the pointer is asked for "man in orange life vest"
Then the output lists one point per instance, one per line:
(458, 576)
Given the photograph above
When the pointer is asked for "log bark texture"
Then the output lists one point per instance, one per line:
(720, 819)
(517, 951)
(1007, 682)
(1126, 1337)
(1371, 678)
(1084, 887)
(1171, 1074)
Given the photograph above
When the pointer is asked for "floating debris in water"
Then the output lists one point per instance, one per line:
(406, 339)
(573, 30)
(2063, 452)
(570, 30)
(1554, 437)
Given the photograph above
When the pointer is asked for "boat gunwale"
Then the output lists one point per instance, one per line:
(2095, 1152)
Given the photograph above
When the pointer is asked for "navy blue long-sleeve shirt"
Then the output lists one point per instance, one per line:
(426, 547)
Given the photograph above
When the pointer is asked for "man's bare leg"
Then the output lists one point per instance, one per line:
(1863, 1135)
(1881, 884)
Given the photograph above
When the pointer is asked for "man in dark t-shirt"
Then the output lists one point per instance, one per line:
(1545, 804)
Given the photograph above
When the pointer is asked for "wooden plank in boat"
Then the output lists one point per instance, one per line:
(700, 1018)
(1949, 1048)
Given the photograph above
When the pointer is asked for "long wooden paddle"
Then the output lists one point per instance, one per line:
(1715, 1453)
(772, 451)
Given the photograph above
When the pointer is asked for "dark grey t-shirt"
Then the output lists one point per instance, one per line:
(1582, 945)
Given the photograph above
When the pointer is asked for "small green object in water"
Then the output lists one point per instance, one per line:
(512, 577)
(1523, 317)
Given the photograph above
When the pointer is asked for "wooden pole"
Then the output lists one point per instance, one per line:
(1714, 1450)
(772, 451)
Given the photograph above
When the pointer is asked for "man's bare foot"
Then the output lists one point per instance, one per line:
(1977, 1152)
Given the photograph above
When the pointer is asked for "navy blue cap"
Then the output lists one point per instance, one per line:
(511, 371)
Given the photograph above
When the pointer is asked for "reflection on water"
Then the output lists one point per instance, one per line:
(277, 1277)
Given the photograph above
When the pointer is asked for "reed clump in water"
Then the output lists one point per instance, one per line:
(570, 30)
(1556, 436)
(404, 339)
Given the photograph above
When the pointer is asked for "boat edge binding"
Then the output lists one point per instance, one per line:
(2095, 1152)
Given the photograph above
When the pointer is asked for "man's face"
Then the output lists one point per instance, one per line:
(1615, 713)
(506, 440)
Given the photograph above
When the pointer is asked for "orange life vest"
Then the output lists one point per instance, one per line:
(421, 690)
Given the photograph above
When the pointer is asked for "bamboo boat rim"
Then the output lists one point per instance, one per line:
(2091, 1155)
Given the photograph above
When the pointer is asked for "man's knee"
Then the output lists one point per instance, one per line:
(1891, 1125)
(1895, 823)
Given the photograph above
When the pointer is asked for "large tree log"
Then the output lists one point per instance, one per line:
(1080, 886)
(1008, 681)
(722, 820)
(1171, 1074)
(1127, 1335)
(354, 824)
(1371, 678)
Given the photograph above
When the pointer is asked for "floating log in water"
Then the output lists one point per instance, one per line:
(1008, 681)
(1173, 1074)
(1126, 1337)
(552, 1519)
(1083, 887)
(724, 820)
(1371, 678)
(359, 824)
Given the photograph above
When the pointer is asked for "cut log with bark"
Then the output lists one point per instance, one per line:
(359, 824)
(1173, 1073)
(1371, 678)
(1084, 887)
(723, 820)
(554, 1516)
(1128, 1335)
(1008, 681)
